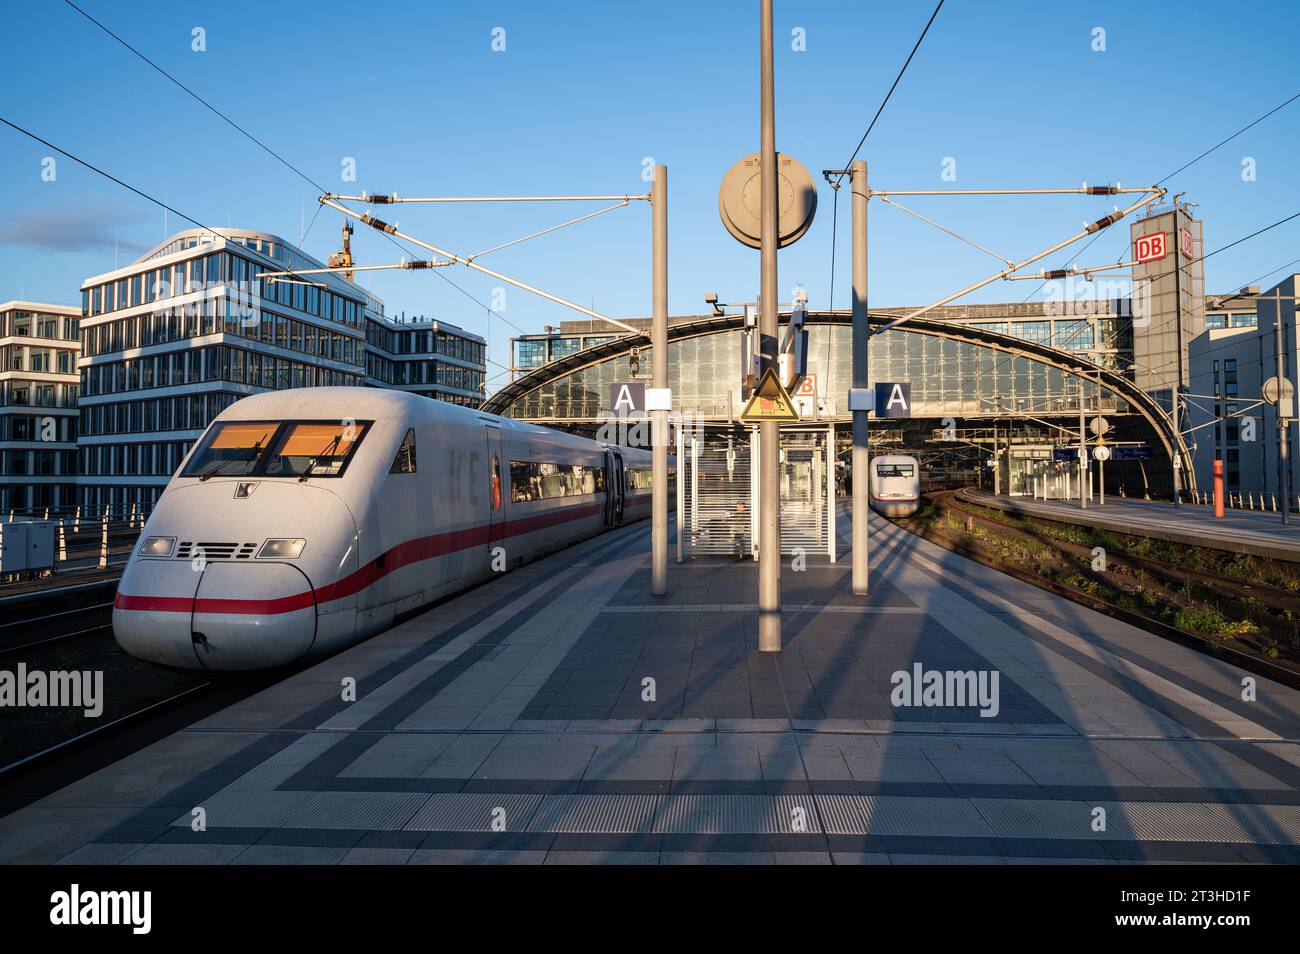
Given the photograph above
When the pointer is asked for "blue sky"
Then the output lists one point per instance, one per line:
(584, 92)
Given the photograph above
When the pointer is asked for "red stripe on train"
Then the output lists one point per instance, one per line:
(404, 554)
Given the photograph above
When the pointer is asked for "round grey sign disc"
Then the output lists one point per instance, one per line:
(739, 201)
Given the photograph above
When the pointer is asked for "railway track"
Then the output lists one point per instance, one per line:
(45, 629)
(1286, 673)
(144, 702)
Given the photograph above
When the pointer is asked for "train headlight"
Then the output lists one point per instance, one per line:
(281, 549)
(158, 546)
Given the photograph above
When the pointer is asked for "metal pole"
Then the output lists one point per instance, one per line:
(769, 525)
(1176, 237)
(860, 473)
(382, 226)
(997, 461)
(830, 491)
(1283, 464)
(1083, 454)
(659, 373)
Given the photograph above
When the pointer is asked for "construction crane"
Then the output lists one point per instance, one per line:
(343, 259)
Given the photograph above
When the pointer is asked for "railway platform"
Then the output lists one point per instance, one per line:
(563, 714)
(1256, 532)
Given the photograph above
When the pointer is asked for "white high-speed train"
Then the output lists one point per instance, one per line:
(895, 485)
(305, 520)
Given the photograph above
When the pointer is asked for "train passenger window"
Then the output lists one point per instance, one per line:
(404, 462)
(532, 480)
(496, 482)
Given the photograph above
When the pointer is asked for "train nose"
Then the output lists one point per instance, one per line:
(155, 627)
(241, 616)
(232, 631)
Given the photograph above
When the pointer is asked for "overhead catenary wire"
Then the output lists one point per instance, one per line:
(108, 175)
(281, 159)
(159, 202)
(1187, 165)
(835, 186)
(1180, 169)
(884, 102)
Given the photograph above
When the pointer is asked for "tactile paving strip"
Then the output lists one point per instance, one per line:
(455, 811)
(900, 815)
(1036, 818)
(374, 811)
(600, 814)
(1195, 821)
(736, 814)
(238, 808)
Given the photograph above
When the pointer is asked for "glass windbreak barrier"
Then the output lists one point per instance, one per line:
(299, 449)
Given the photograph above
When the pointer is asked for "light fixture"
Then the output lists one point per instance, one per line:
(281, 549)
(158, 547)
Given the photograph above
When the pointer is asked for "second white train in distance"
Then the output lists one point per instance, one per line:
(305, 520)
(895, 485)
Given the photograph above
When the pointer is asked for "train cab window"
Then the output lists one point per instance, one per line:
(894, 470)
(299, 449)
(231, 448)
(404, 462)
(314, 450)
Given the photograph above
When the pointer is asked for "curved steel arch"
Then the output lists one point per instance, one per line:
(1065, 361)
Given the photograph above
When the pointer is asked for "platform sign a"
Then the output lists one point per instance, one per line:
(893, 399)
(769, 402)
(627, 397)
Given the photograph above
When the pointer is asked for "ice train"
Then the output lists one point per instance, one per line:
(304, 520)
(895, 485)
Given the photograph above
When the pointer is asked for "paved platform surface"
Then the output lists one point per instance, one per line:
(515, 724)
(1241, 531)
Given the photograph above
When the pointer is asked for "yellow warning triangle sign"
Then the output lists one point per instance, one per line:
(769, 402)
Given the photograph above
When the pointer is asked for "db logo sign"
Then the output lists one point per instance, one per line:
(1148, 248)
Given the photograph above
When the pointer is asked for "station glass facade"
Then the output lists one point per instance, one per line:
(949, 378)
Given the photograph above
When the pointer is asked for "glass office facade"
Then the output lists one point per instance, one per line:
(175, 338)
(432, 359)
(39, 389)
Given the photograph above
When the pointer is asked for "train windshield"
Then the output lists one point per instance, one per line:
(894, 470)
(314, 450)
(232, 448)
(299, 449)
